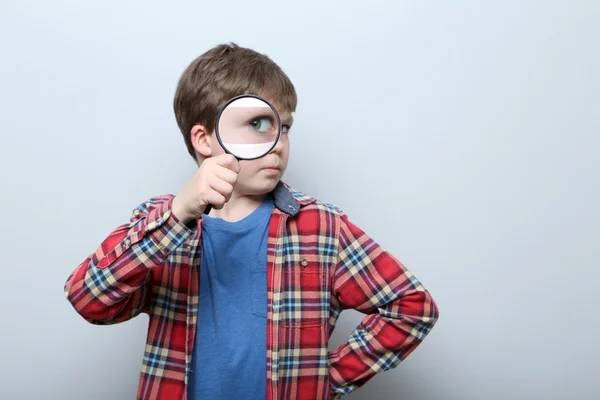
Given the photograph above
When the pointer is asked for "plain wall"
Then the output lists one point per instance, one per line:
(463, 136)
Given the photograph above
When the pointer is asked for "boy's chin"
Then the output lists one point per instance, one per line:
(260, 186)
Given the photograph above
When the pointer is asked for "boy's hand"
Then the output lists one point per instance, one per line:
(212, 183)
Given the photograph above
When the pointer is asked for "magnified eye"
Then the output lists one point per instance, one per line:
(262, 124)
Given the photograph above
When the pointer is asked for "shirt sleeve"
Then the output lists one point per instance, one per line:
(112, 284)
(400, 312)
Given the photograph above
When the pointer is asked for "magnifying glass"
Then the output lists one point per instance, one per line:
(247, 127)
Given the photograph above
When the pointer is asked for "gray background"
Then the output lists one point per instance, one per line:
(463, 136)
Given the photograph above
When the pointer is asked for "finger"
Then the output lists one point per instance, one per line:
(228, 161)
(226, 174)
(223, 187)
(216, 199)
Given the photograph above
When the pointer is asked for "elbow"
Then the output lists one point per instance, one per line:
(420, 308)
(432, 311)
(94, 317)
(84, 307)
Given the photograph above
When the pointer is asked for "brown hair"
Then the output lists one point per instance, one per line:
(221, 73)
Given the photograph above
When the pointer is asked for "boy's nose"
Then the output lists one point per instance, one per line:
(278, 147)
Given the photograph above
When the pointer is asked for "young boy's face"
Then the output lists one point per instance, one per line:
(260, 176)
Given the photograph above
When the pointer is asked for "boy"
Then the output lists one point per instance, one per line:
(242, 301)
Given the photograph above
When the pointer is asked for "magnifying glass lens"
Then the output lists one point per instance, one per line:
(248, 128)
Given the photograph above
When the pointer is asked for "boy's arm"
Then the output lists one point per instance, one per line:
(400, 312)
(113, 284)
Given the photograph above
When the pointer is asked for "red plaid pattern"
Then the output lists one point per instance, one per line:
(319, 263)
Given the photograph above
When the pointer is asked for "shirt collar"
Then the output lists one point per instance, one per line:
(289, 200)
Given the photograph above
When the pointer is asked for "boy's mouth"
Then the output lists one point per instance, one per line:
(271, 170)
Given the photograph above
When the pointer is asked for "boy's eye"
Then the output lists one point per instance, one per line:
(285, 128)
(261, 124)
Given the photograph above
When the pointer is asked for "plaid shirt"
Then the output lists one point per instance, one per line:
(318, 264)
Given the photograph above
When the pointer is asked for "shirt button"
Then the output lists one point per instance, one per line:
(304, 262)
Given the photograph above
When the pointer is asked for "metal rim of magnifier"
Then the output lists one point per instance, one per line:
(258, 98)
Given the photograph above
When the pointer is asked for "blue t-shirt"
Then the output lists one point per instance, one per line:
(229, 360)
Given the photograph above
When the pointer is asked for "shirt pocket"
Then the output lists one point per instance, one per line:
(304, 294)
(258, 282)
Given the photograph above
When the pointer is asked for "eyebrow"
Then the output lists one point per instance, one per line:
(287, 119)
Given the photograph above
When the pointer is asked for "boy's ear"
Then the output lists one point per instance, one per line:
(201, 140)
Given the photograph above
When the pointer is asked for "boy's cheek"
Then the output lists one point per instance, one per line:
(248, 166)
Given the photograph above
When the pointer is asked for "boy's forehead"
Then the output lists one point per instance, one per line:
(284, 113)
(286, 116)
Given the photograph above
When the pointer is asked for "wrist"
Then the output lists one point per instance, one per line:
(179, 213)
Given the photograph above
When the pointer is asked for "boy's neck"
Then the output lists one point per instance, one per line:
(238, 207)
